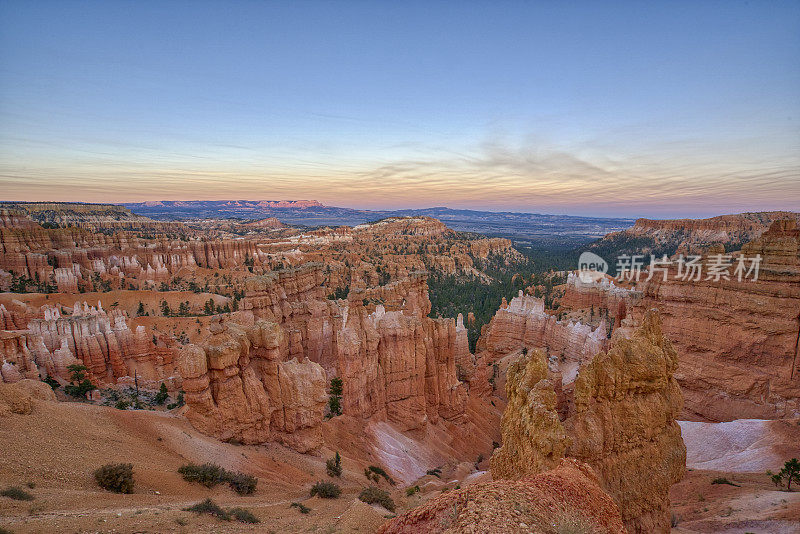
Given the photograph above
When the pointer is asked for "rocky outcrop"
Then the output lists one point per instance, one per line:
(602, 295)
(691, 235)
(395, 362)
(737, 341)
(19, 397)
(626, 405)
(239, 388)
(622, 423)
(19, 352)
(567, 498)
(524, 323)
(102, 341)
(534, 440)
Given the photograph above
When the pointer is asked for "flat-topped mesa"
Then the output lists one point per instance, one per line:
(269, 222)
(695, 235)
(623, 424)
(238, 387)
(416, 226)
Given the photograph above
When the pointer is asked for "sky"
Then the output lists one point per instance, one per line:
(621, 109)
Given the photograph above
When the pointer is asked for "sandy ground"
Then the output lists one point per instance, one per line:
(756, 505)
(740, 451)
(57, 447)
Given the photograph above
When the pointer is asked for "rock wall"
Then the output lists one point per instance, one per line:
(100, 340)
(239, 388)
(623, 424)
(524, 324)
(396, 363)
(738, 341)
(695, 235)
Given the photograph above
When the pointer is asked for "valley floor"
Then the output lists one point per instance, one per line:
(49, 451)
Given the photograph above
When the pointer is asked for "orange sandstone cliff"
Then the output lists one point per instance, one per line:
(622, 424)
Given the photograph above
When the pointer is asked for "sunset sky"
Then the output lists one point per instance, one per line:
(681, 108)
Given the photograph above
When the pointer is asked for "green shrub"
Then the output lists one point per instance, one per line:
(790, 472)
(209, 507)
(337, 387)
(334, 466)
(372, 495)
(242, 515)
(178, 403)
(412, 490)
(326, 490)
(52, 382)
(435, 472)
(80, 385)
(208, 475)
(300, 506)
(373, 472)
(242, 483)
(18, 494)
(162, 395)
(334, 405)
(115, 477)
(213, 509)
(335, 399)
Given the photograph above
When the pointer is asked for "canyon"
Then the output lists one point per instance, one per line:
(736, 339)
(248, 324)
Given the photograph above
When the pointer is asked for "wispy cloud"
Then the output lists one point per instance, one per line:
(494, 175)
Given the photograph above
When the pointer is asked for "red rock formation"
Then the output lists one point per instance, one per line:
(102, 341)
(695, 235)
(602, 295)
(623, 424)
(239, 388)
(564, 499)
(522, 325)
(398, 365)
(11, 218)
(738, 341)
(19, 353)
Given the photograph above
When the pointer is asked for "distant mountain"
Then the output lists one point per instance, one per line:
(521, 227)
